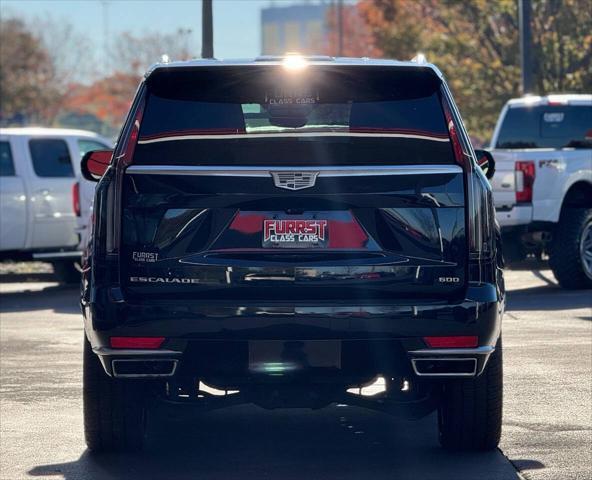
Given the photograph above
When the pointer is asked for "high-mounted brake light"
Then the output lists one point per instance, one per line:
(136, 342)
(525, 175)
(555, 100)
(294, 62)
(76, 198)
(463, 341)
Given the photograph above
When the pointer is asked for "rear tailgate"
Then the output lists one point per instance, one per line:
(503, 182)
(385, 233)
(339, 185)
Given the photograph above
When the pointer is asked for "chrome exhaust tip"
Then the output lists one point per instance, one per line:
(450, 362)
(444, 367)
(148, 367)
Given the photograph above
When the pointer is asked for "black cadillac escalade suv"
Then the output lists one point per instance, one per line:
(287, 232)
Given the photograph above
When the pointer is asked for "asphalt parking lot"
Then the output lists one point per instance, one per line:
(547, 410)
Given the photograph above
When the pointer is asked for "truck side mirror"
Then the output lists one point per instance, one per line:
(94, 164)
(486, 162)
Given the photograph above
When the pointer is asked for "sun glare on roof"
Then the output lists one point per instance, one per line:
(294, 62)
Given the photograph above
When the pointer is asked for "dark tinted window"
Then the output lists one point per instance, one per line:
(51, 158)
(6, 163)
(264, 115)
(549, 126)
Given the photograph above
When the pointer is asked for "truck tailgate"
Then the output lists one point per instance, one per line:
(503, 182)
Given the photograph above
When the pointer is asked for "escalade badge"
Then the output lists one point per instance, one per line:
(294, 180)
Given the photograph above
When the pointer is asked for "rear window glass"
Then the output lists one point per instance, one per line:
(51, 158)
(255, 115)
(548, 126)
(85, 146)
(6, 163)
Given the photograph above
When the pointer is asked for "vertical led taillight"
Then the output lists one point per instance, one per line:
(132, 137)
(479, 217)
(525, 175)
(124, 156)
(459, 154)
(76, 198)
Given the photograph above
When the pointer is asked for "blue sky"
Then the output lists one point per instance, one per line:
(236, 22)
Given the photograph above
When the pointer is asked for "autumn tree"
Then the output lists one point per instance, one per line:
(41, 60)
(357, 41)
(133, 54)
(394, 26)
(48, 72)
(476, 44)
(562, 34)
(71, 56)
(26, 73)
(107, 99)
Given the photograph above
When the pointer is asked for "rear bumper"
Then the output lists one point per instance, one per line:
(44, 255)
(215, 340)
(433, 363)
(60, 255)
(517, 215)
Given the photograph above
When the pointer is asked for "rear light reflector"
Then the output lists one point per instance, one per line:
(463, 341)
(76, 198)
(137, 342)
(525, 175)
(459, 154)
(134, 134)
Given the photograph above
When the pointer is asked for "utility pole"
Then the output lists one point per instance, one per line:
(207, 30)
(340, 28)
(106, 53)
(525, 46)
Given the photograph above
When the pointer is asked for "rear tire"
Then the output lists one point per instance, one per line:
(114, 409)
(566, 257)
(66, 271)
(470, 414)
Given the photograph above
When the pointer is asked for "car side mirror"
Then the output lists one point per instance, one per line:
(94, 164)
(486, 162)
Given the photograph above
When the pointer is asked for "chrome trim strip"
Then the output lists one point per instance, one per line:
(138, 375)
(462, 374)
(323, 171)
(101, 351)
(485, 350)
(50, 255)
(252, 135)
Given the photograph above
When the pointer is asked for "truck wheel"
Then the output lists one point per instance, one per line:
(570, 256)
(66, 271)
(114, 409)
(470, 414)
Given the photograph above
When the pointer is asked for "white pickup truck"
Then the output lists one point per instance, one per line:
(542, 186)
(41, 202)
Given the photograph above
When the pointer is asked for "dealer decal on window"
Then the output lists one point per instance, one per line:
(294, 233)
